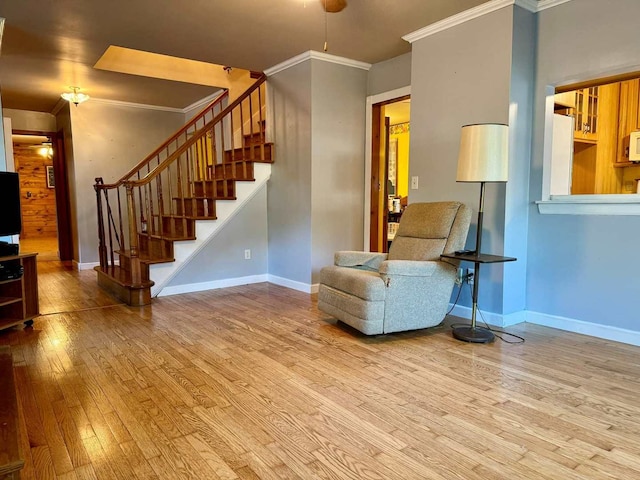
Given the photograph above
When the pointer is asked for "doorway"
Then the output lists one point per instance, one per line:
(39, 159)
(389, 186)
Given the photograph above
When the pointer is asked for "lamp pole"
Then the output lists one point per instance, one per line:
(472, 333)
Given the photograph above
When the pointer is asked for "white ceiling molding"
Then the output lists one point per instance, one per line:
(457, 19)
(203, 102)
(311, 54)
(483, 9)
(135, 105)
(544, 4)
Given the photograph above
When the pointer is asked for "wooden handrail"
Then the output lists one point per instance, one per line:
(203, 131)
(145, 161)
(159, 199)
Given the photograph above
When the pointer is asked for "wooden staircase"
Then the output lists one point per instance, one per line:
(159, 201)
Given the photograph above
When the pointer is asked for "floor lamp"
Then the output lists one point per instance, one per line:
(483, 158)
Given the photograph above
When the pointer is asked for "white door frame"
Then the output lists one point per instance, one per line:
(371, 101)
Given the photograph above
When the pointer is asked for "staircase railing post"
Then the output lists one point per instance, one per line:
(136, 271)
(102, 250)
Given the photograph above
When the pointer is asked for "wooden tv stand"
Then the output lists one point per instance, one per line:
(19, 296)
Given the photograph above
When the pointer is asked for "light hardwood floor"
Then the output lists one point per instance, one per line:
(254, 382)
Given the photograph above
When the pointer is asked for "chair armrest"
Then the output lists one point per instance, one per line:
(366, 260)
(413, 268)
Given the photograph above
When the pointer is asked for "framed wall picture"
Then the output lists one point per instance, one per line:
(51, 179)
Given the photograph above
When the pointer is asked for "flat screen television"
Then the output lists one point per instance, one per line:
(10, 217)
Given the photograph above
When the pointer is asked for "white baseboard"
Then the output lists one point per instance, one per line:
(234, 282)
(212, 285)
(292, 284)
(495, 319)
(86, 266)
(606, 332)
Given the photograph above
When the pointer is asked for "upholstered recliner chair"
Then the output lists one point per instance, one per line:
(407, 289)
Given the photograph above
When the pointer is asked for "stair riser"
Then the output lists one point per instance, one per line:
(256, 153)
(220, 189)
(125, 264)
(235, 171)
(178, 227)
(155, 247)
(196, 207)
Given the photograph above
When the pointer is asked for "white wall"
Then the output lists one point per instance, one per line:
(581, 267)
(107, 141)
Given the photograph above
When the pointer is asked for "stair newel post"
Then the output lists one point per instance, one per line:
(102, 251)
(136, 272)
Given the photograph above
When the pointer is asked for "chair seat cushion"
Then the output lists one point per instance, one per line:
(361, 283)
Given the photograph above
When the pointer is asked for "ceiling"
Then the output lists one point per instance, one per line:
(49, 46)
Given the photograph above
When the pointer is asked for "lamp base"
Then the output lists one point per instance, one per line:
(473, 334)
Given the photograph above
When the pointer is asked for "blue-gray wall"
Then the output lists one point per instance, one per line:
(223, 256)
(289, 192)
(337, 161)
(316, 191)
(460, 76)
(582, 267)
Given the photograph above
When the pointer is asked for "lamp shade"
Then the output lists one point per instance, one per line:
(484, 153)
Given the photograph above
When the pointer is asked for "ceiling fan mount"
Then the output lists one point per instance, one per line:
(333, 6)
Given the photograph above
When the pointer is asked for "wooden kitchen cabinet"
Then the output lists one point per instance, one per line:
(628, 118)
(586, 115)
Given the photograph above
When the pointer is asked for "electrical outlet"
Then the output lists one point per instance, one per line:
(471, 275)
(247, 254)
(414, 183)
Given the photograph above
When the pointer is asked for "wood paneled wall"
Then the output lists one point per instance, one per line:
(38, 202)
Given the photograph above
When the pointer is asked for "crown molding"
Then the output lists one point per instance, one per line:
(203, 102)
(533, 6)
(544, 4)
(457, 19)
(313, 55)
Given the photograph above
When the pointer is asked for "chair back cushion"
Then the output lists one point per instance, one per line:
(425, 229)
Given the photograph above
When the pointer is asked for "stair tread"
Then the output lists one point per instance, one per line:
(144, 257)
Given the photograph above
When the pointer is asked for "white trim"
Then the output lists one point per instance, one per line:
(544, 4)
(371, 101)
(135, 105)
(606, 332)
(293, 284)
(87, 265)
(494, 319)
(458, 19)
(199, 104)
(590, 205)
(212, 285)
(311, 54)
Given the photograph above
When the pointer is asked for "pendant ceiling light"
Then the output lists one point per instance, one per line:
(75, 96)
